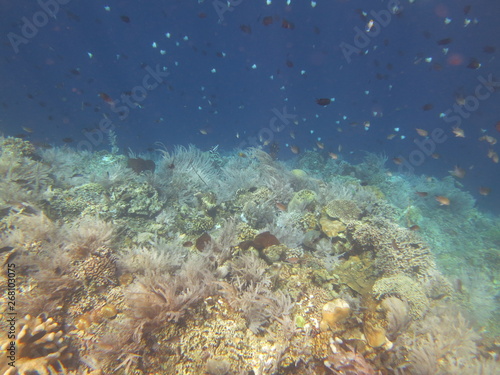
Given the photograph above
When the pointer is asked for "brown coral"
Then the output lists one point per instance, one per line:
(344, 210)
(41, 347)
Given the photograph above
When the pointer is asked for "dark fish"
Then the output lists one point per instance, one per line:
(316, 30)
(474, 64)
(77, 175)
(67, 140)
(219, 54)
(427, 107)
(106, 97)
(125, 19)
(75, 72)
(139, 165)
(489, 49)
(287, 24)
(289, 63)
(414, 227)
(323, 101)
(246, 29)
(202, 15)
(467, 9)
(268, 20)
(445, 41)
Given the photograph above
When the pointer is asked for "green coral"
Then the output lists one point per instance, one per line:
(303, 199)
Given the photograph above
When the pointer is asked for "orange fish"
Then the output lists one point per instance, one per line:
(443, 201)
(458, 132)
(458, 172)
(484, 190)
(422, 193)
(320, 145)
(333, 155)
(414, 227)
(422, 132)
(295, 149)
(397, 161)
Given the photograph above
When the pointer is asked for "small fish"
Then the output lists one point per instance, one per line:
(77, 175)
(391, 136)
(428, 106)
(458, 132)
(445, 41)
(323, 101)
(497, 126)
(204, 131)
(125, 19)
(106, 98)
(422, 193)
(27, 130)
(397, 161)
(280, 206)
(422, 132)
(474, 64)
(242, 155)
(287, 24)
(295, 149)
(414, 227)
(268, 20)
(443, 201)
(320, 145)
(246, 29)
(489, 49)
(493, 155)
(333, 156)
(457, 172)
(488, 138)
(67, 140)
(435, 155)
(187, 244)
(483, 190)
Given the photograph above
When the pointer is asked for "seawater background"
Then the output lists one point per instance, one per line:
(238, 99)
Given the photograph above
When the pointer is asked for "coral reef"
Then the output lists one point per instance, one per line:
(222, 264)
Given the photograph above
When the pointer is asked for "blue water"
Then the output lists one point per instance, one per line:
(52, 76)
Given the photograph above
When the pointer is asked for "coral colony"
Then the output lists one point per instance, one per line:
(190, 262)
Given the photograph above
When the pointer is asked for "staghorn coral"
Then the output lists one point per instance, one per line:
(41, 347)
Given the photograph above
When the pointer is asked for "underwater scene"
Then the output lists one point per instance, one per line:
(249, 187)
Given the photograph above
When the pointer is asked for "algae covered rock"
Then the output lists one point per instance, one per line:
(135, 199)
(302, 200)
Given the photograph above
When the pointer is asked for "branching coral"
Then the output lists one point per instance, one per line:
(41, 347)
